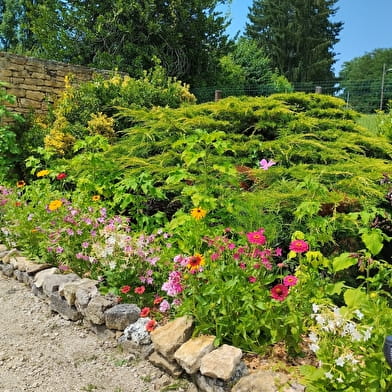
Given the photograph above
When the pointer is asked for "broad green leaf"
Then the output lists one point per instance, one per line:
(343, 261)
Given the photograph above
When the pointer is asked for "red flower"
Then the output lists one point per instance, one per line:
(279, 292)
(151, 325)
(158, 300)
(299, 246)
(61, 176)
(125, 289)
(140, 290)
(145, 312)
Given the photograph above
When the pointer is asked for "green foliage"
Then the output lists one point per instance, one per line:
(9, 147)
(361, 78)
(297, 36)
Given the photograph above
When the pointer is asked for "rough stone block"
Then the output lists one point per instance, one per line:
(120, 316)
(137, 332)
(61, 306)
(53, 282)
(189, 355)
(10, 253)
(83, 296)
(96, 308)
(8, 270)
(68, 290)
(168, 338)
(161, 362)
(221, 363)
(40, 277)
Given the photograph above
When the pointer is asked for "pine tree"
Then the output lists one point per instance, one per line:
(297, 35)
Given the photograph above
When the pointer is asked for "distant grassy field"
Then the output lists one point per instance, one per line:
(369, 121)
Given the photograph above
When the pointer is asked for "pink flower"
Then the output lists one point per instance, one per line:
(299, 246)
(231, 246)
(151, 325)
(242, 265)
(125, 289)
(290, 280)
(215, 256)
(279, 292)
(164, 306)
(278, 252)
(252, 279)
(256, 237)
(265, 165)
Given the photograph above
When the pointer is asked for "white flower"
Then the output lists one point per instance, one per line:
(328, 375)
(367, 334)
(339, 379)
(340, 361)
(313, 337)
(315, 308)
(314, 347)
(359, 314)
(320, 319)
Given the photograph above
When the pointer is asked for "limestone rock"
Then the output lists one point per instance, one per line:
(68, 290)
(265, 381)
(55, 282)
(189, 355)
(120, 316)
(8, 270)
(33, 268)
(168, 338)
(9, 254)
(18, 262)
(61, 306)
(137, 332)
(142, 351)
(3, 248)
(161, 362)
(96, 308)
(39, 278)
(208, 384)
(221, 363)
(83, 296)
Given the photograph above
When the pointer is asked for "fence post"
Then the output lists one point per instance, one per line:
(218, 95)
(318, 90)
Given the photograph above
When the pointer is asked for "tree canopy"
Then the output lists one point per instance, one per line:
(297, 35)
(361, 80)
(188, 36)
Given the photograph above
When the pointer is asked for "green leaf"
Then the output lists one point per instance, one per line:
(343, 261)
(373, 241)
(355, 298)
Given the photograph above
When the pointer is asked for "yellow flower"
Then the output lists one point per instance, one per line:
(198, 213)
(54, 205)
(96, 198)
(20, 184)
(42, 173)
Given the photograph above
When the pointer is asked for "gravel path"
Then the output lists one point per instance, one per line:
(40, 351)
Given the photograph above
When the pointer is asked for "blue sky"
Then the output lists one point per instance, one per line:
(367, 26)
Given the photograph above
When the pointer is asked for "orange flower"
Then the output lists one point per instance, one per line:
(198, 213)
(195, 262)
(20, 184)
(96, 198)
(55, 205)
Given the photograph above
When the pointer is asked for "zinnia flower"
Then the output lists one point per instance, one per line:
(158, 300)
(145, 312)
(61, 176)
(20, 184)
(290, 280)
(125, 289)
(195, 262)
(96, 198)
(140, 290)
(151, 325)
(299, 246)
(42, 173)
(279, 292)
(252, 279)
(54, 205)
(256, 237)
(198, 213)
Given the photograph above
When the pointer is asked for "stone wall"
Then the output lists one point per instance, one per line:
(35, 82)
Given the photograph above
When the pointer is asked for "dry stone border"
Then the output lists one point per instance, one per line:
(170, 347)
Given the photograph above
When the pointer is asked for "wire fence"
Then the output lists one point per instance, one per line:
(365, 96)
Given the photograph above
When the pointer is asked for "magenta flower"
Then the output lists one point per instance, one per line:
(290, 280)
(278, 252)
(215, 256)
(164, 306)
(252, 279)
(299, 246)
(265, 165)
(256, 237)
(279, 292)
(242, 265)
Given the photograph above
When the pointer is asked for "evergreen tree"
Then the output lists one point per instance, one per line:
(297, 35)
(188, 36)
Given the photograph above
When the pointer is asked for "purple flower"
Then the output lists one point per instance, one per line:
(59, 250)
(164, 306)
(173, 286)
(265, 165)
(85, 245)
